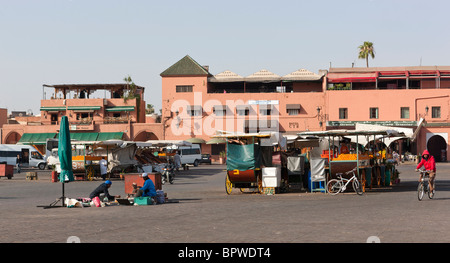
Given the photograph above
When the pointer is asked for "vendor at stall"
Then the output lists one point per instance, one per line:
(102, 191)
(148, 189)
(343, 149)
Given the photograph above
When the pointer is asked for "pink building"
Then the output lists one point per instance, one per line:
(394, 96)
(195, 103)
(95, 112)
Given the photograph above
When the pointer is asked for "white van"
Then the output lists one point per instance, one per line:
(189, 154)
(29, 156)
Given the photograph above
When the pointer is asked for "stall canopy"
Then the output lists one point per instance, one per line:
(216, 141)
(196, 140)
(162, 143)
(403, 132)
(345, 133)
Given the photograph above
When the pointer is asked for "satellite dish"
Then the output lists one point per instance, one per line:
(29, 112)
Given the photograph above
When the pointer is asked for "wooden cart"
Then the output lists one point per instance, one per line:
(243, 161)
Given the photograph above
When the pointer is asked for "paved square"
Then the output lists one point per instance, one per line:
(205, 213)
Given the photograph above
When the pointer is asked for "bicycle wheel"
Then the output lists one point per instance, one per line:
(420, 191)
(334, 186)
(357, 187)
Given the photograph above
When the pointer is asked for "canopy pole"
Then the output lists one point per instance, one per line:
(357, 156)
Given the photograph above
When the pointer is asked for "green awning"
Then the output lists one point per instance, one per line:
(104, 136)
(53, 108)
(83, 108)
(84, 136)
(120, 108)
(195, 140)
(36, 138)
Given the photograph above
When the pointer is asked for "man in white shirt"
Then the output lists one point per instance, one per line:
(103, 165)
(177, 160)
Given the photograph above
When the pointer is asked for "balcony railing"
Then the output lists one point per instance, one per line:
(83, 121)
(116, 120)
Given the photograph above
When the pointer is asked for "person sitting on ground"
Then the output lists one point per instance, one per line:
(148, 189)
(103, 190)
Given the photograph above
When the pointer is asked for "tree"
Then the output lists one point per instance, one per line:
(130, 93)
(366, 50)
(150, 109)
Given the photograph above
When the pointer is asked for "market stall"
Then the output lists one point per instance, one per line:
(374, 166)
(122, 156)
(249, 161)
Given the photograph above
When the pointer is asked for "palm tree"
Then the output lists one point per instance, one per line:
(366, 50)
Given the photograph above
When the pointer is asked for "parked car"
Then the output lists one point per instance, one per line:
(206, 158)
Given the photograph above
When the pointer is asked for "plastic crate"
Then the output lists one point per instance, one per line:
(143, 200)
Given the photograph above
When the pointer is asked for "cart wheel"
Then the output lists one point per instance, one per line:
(90, 173)
(363, 184)
(260, 187)
(228, 185)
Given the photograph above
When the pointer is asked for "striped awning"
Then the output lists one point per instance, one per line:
(352, 77)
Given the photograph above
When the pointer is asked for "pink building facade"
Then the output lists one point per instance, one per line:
(195, 103)
(95, 112)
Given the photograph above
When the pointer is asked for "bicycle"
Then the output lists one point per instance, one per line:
(335, 186)
(424, 185)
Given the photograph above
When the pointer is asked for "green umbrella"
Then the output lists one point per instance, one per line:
(65, 159)
(65, 152)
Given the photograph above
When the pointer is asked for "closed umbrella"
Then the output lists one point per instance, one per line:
(65, 152)
(65, 159)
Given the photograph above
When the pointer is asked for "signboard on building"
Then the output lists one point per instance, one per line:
(383, 123)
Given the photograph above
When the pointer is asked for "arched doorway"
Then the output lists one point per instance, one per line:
(145, 136)
(437, 146)
(12, 138)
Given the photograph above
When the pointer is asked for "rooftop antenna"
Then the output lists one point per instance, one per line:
(420, 61)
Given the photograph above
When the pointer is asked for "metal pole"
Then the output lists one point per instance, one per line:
(63, 197)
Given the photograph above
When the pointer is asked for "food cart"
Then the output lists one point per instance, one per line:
(122, 156)
(245, 160)
(85, 161)
(371, 166)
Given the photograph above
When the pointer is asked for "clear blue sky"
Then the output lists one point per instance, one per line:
(80, 41)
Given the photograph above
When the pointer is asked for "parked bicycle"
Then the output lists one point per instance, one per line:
(336, 186)
(424, 185)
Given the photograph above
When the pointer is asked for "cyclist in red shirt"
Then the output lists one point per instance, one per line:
(430, 165)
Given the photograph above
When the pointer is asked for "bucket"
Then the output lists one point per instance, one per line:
(54, 177)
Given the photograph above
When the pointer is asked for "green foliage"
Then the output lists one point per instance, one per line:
(366, 50)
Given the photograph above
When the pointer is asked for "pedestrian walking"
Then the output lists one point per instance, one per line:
(18, 163)
(103, 165)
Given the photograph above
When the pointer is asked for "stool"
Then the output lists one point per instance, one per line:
(31, 176)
